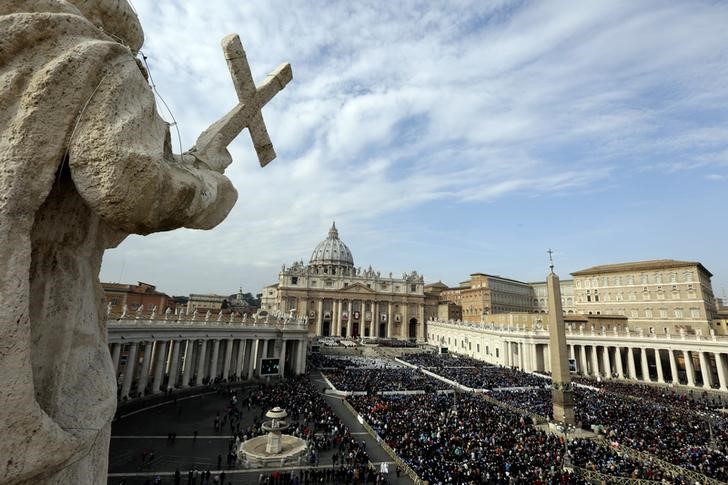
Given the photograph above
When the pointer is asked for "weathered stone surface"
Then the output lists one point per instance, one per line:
(85, 160)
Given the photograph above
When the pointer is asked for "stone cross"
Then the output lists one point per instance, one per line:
(248, 111)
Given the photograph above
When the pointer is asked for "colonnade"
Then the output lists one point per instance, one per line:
(154, 366)
(641, 363)
(696, 361)
(385, 319)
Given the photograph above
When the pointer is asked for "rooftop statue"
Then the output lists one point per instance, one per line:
(85, 160)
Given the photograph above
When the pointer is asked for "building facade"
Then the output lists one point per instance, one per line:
(340, 299)
(658, 296)
(121, 296)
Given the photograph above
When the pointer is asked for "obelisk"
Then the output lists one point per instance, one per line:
(561, 392)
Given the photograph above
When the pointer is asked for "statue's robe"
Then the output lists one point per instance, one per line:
(85, 160)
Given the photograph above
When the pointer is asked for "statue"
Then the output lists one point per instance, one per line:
(86, 161)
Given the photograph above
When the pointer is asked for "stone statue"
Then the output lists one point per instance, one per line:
(85, 161)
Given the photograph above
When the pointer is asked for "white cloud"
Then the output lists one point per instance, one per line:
(394, 105)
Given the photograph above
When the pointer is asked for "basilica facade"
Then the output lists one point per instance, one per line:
(340, 299)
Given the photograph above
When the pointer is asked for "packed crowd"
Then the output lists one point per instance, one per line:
(665, 395)
(322, 361)
(676, 434)
(463, 438)
(431, 360)
(491, 377)
(383, 379)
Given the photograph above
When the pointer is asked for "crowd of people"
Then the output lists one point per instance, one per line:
(685, 436)
(321, 361)
(462, 438)
(691, 400)
(383, 379)
(432, 360)
(491, 377)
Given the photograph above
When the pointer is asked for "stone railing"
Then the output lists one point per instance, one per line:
(573, 331)
(151, 318)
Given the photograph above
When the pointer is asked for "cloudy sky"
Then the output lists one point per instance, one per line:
(451, 137)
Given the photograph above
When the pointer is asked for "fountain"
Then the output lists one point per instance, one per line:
(275, 448)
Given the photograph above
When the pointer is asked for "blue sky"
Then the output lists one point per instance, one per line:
(452, 137)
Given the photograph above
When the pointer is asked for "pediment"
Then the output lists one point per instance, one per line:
(357, 288)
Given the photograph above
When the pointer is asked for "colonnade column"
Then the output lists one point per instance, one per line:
(161, 354)
(201, 364)
(421, 322)
(705, 371)
(506, 360)
(263, 355)
(721, 371)
(689, 368)
(595, 361)
(618, 359)
(215, 357)
(174, 365)
(658, 366)
(115, 356)
(144, 376)
(607, 363)
(673, 366)
(228, 357)
(336, 318)
(189, 360)
(584, 365)
(375, 320)
(240, 359)
(630, 363)
(282, 359)
(389, 319)
(301, 369)
(129, 371)
(349, 322)
(252, 357)
(320, 317)
(645, 369)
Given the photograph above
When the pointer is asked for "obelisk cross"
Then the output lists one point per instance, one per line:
(551, 259)
(212, 142)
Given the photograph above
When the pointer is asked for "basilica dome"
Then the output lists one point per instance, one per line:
(332, 251)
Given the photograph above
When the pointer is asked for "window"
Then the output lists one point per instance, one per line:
(688, 276)
(346, 284)
(477, 348)
(630, 280)
(633, 313)
(294, 280)
(413, 288)
(658, 278)
(694, 313)
(329, 283)
(497, 352)
(643, 279)
(673, 277)
(114, 301)
(648, 313)
(663, 313)
(678, 313)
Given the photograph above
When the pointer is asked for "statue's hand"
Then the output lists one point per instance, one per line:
(211, 149)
